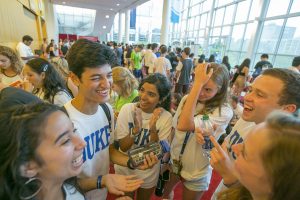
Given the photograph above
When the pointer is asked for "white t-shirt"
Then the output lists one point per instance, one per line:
(24, 50)
(59, 99)
(94, 129)
(294, 69)
(194, 164)
(238, 111)
(72, 193)
(149, 60)
(162, 65)
(9, 80)
(125, 123)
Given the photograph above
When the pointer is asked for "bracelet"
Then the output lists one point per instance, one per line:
(129, 165)
(99, 179)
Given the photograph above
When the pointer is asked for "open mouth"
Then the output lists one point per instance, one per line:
(77, 162)
(248, 108)
(102, 92)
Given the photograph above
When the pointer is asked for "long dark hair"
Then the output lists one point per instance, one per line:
(163, 87)
(53, 82)
(245, 63)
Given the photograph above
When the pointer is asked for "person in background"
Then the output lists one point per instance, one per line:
(267, 162)
(237, 110)
(150, 58)
(295, 65)
(175, 101)
(211, 58)
(47, 84)
(261, 65)
(44, 48)
(24, 50)
(40, 154)
(135, 59)
(162, 64)
(125, 85)
(225, 62)
(10, 67)
(240, 81)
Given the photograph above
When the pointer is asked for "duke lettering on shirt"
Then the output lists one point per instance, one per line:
(143, 136)
(235, 138)
(96, 142)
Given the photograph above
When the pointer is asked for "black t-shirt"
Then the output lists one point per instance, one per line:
(263, 65)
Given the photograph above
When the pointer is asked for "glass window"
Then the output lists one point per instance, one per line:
(290, 41)
(223, 2)
(277, 8)
(207, 5)
(233, 58)
(228, 14)
(191, 24)
(216, 32)
(195, 10)
(184, 14)
(226, 31)
(295, 6)
(201, 33)
(283, 61)
(249, 32)
(237, 37)
(219, 17)
(203, 21)
(242, 11)
(269, 36)
(197, 21)
(254, 11)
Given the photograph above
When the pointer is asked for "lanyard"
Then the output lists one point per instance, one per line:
(187, 135)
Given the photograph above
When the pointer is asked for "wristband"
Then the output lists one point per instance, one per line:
(99, 179)
(129, 165)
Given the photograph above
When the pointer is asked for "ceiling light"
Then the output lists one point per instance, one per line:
(118, 4)
(111, 9)
(104, 27)
(106, 16)
(63, 2)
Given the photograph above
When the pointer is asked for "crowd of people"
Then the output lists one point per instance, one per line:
(70, 114)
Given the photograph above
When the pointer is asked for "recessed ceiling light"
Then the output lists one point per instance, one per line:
(63, 2)
(106, 16)
(118, 4)
(104, 27)
(111, 9)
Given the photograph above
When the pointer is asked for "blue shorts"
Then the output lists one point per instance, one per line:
(198, 185)
(137, 73)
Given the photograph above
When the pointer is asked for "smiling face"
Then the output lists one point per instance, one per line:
(262, 98)
(5, 62)
(208, 91)
(249, 166)
(149, 97)
(34, 78)
(60, 149)
(95, 83)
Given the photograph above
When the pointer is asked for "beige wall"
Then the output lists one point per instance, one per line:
(17, 21)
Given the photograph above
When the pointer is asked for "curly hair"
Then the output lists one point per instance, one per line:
(16, 62)
(125, 80)
(163, 87)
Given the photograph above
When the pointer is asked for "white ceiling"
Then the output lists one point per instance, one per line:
(103, 8)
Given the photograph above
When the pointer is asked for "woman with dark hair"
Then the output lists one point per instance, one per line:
(149, 120)
(225, 62)
(208, 97)
(40, 154)
(10, 67)
(267, 162)
(48, 85)
(240, 82)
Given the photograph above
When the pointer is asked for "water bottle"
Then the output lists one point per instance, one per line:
(208, 130)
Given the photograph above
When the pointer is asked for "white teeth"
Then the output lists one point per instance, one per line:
(78, 161)
(102, 91)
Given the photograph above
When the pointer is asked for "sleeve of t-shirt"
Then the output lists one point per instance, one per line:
(165, 125)
(22, 51)
(221, 121)
(168, 64)
(125, 116)
(61, 98)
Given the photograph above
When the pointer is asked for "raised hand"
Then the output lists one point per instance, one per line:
(202, 73)
(119, 184)
(155, 116)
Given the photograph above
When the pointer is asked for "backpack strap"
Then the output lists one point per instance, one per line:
(107, 113)
(136, 99)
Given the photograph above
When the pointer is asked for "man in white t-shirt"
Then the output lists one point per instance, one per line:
(261, 100)
(162, 64)
(150, 58)
(24, 50)
(90, 66)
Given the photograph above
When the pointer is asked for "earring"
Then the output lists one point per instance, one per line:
(30, 188)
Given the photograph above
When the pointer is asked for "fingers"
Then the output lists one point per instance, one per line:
(216, 144)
